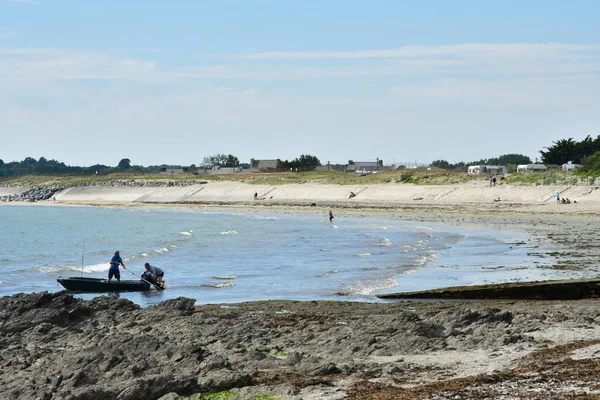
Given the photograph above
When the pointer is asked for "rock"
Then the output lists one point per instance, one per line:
(215, 381)
(53, 343)
(170, 396)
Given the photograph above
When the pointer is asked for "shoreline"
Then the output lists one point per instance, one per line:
(320, 350)
(567, 230)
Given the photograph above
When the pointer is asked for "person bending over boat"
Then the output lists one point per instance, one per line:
(114, 267)
(156, 272)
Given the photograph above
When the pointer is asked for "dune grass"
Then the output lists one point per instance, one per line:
(416, 176)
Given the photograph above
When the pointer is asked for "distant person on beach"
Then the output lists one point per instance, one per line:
(352, 194)
(157, 273)
(113, 271)
(490, 180)
(330, 216)
(494, 181)
(255, 196)
(557, 198)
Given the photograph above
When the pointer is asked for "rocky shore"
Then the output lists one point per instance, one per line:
(54, 346)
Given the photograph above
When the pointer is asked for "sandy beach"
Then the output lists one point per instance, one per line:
(484, 349)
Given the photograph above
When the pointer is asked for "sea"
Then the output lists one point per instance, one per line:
(230, 256)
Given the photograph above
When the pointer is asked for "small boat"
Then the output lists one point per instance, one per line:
(99, 285)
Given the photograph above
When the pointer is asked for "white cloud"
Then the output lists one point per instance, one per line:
(460, 102)
(154, 50)
(22, 1)
(499, 60)
(469, 50)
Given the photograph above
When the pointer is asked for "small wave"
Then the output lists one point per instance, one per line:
(426, 258)
(48, 269)
(226, 277)
(88, 269)
(228, 233)
(322, 249)
(1, 283)
(186, 233)
(325, 274)
(368, 288)
(363, 254)
(163, 250)
(384, 242)
(218, 285)
(263, 217)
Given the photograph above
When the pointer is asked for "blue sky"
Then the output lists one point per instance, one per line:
(87, 82)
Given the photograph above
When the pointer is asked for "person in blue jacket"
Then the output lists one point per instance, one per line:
(113, 271)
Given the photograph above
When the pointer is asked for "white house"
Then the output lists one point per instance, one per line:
(570, 167)
(473, 170)
(532, 168)
(486, 169)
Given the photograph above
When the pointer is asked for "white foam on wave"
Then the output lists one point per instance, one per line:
(226, 277)
(228, 233)
(363, 254)
(263, 217)
(385, 242)
(1, 283)
(426, 258)
(408, 248)
(163, 250)
(48, 269)
(88, 269)
(218, 285)
(368, 287)
(186, 233)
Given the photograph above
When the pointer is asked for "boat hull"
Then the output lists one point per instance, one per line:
(97, 285)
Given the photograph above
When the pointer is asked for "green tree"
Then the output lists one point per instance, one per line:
(221, 160)
(306, 162)
(592, 163)
(441, 164)
(515, 159)
(565, 150)
(124, 164)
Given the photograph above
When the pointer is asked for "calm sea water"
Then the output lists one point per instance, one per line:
(227, 257)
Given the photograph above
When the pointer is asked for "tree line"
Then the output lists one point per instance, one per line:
(43, 166)
(585, 152)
